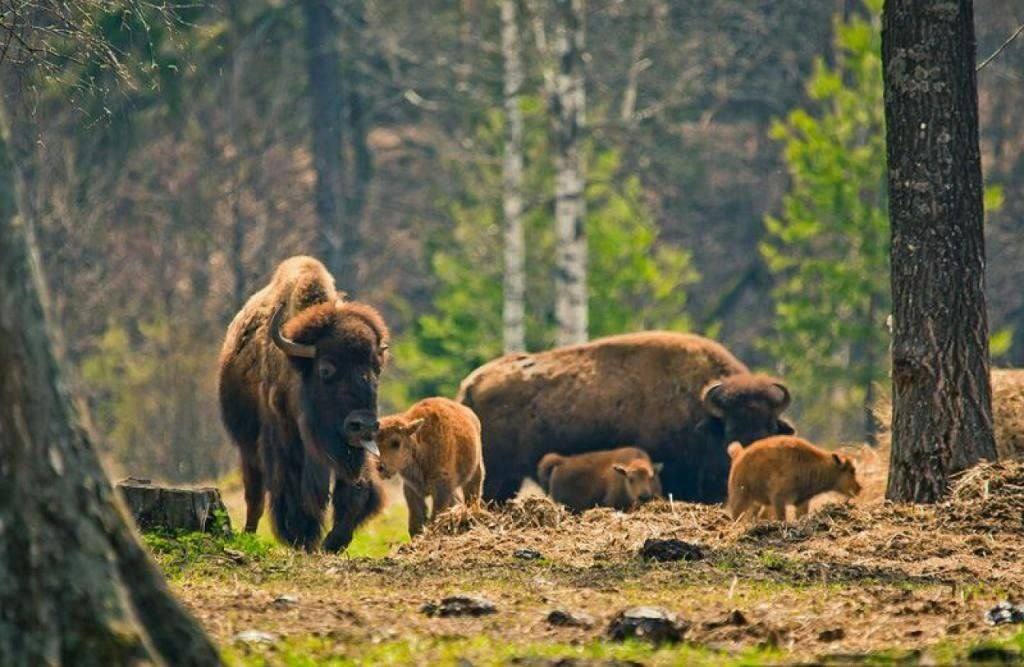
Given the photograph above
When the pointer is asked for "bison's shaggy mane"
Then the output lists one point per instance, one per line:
(352, 318)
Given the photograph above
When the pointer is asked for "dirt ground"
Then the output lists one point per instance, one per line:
(864, 582)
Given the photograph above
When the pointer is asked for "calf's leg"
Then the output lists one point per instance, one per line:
(473, 487)
(417, 505)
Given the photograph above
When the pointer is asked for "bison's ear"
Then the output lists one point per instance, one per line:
(785, 428)
(620, 469)
(414, 425)
(838, 460)
(658, 467)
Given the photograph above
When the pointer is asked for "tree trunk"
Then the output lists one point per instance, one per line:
(514, 310)
(568, 105)
(942, 406)
(338, 235)
(75, 585)
(238, 273)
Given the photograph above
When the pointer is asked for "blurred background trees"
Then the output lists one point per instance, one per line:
(734, 187)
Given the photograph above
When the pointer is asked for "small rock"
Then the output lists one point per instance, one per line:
(831, 635)
(735, 617)
(670, 550)
(649, 623)
(254, 637)
(460, 605)
(235, 555)
(284, 601)
(1005, 612)
(568, 619)
(526, 554)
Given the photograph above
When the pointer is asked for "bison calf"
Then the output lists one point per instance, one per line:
(621, 478)
(785, 470)
(435, 447)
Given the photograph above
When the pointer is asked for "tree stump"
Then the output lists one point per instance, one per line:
(175, 509)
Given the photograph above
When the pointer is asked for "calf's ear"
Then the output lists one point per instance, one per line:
(658, 467)
(414, 425)
(620, 469)
(838, 460)
(785, 428)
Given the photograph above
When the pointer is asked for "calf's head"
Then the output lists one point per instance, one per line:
(746, 407)
(396, 440)
(641, 478)
(845, 476)
(338, 350)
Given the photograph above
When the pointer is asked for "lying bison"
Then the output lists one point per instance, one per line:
(681, 398)
(298, 395)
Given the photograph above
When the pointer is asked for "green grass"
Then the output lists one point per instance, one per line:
(483, 650)
(382, 533)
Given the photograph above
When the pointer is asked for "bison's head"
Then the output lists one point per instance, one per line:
(397, 440)
(339, 350)
(747, 407)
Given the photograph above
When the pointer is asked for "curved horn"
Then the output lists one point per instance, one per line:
(713, 408)
(785, 397)
(289, 347)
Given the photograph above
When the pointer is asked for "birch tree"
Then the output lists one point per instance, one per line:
(514, 324)
(567, 103)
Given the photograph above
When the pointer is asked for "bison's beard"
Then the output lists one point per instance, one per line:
(329, 446)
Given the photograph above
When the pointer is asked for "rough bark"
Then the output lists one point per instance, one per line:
(942, 412)
(238, 224)
(338, 235)
(514, 308)
(568, 104)
(75, 585)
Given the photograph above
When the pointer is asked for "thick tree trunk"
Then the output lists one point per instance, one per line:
(338, 235)
(568, 106)
(514, 311)
(75, 585)
(942, 412)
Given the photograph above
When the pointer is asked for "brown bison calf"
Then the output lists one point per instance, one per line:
(435, 447)
(621, 478)
(784, 470)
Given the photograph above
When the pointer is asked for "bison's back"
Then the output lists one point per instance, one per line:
(641, 388)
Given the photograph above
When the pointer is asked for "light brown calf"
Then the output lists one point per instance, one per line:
(435, 447)
(621, 478)
(785, 470)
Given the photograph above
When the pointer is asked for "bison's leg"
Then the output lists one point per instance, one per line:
(353, 504)
(801, 509)
(501, 488)
(255, 492)
(417, 509)
(295, 521)
(444, 497)
(473, 487)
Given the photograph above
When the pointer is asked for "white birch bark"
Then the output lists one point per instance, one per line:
(514, 310)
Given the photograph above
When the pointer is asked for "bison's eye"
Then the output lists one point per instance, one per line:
(395, 444)
(326, 370)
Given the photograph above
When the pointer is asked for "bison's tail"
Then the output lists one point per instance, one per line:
(544, 468)
(734, 450)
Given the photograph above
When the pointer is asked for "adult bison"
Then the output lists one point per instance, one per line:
(298, 394)
(681, 398)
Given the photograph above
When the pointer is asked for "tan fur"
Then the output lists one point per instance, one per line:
(435, 447)
(776, 472)
(642, 388)
(620, 478)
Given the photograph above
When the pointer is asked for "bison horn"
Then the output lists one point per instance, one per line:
(784, 403)
(288, 346)
(710, 400)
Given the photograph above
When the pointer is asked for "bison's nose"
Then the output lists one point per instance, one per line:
(646, 497)
(361, 428)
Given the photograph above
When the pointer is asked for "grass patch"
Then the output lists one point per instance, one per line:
(481, 650)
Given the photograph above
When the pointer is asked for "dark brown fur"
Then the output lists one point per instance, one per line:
(644, 388)
(286, 416)
(435, 447)
(773, 473)
(620, 478)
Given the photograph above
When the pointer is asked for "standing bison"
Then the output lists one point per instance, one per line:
(681, 398)
(298, 394)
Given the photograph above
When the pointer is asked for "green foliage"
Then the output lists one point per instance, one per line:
(178, 552)
(829, 249)
(141, 381)
(635, 280)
